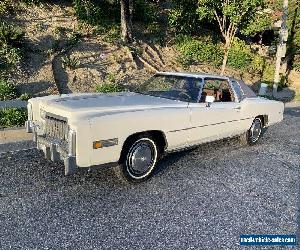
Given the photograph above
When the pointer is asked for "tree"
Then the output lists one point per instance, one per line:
(126, 23)
(231, 16)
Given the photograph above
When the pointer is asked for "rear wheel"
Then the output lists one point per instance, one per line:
(139, 160)
(252, 136)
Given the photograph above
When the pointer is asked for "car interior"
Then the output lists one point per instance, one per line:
(218, 88)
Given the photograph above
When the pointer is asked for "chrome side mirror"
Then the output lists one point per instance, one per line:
(209, 99)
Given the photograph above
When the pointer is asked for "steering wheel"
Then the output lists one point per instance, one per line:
(185, 94)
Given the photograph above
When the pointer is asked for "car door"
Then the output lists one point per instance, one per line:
(218, 120)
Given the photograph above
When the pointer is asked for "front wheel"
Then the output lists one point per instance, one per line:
(252, 136)
(139, 160)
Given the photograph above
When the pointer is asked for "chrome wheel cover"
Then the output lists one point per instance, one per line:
(255, 130)
(141, 158)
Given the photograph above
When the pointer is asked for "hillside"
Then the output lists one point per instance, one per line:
(62, 54)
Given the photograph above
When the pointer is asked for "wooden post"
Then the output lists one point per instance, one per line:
(281, 48)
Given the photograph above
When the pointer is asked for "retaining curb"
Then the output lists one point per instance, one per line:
(8, 135)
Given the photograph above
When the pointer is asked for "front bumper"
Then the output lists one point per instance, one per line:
(55, 149)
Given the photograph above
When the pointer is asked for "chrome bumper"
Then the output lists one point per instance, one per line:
(56, 150)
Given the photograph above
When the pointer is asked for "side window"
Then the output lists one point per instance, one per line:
(237, 88)
(219, 88)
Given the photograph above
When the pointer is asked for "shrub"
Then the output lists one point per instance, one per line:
(70, 62)
(296, 65)
(7, 91)
(240, 55)
(96, 12)
(268, 73)
(258, 63)
(6, 6)
(25, 97)
(11, 117)
(9, 57)
(199, 50)
(10, 35)
(108, 88)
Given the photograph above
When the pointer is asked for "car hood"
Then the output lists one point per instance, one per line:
(83, 105)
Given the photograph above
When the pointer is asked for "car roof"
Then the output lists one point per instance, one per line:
(195, 75)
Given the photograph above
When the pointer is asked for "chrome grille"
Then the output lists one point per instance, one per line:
(56, 127)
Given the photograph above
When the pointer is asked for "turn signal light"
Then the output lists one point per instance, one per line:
(97, 144)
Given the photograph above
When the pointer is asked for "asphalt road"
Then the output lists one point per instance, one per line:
(198, 199)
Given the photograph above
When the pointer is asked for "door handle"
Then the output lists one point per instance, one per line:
(238, 108)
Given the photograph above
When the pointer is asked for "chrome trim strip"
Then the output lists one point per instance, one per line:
(72, 143)
(177, 130)
(58, 117)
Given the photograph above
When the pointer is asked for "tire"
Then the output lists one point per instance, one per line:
(139, 160)
(253, 135)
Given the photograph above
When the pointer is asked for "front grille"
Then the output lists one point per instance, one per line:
(56, 127)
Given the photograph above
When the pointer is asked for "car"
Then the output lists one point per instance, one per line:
(132, 130)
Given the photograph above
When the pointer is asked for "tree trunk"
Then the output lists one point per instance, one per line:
(225, 57)
(126, 23)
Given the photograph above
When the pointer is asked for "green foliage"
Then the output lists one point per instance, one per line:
(240, 55)
(10, 35)
(268, 73)
(25, 96)
(261, 22)
(11, 117)
(110, 87)
(144, 11)
(258, 63)
(239, 13)
(7, 91)
(296, 66)
(199, 50)
(183, 18)
(96, 12)
(9, 57)
(70, 62)
(112, 34)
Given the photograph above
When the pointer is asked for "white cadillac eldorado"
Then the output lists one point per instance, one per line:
(169, 112)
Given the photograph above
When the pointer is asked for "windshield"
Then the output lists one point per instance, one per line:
(179, 88)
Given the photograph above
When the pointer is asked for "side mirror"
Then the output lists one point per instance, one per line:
(209, 99)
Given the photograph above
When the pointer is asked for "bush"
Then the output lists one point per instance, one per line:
(108, 88)
(7, 91)
(199, 50)
(70, 62)
(240, 55)
(10, 35)
(97, 12)
(296, 65)
(11, 117)
(268, 73)
(9, 57)
(25, 97)
(258, 63)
